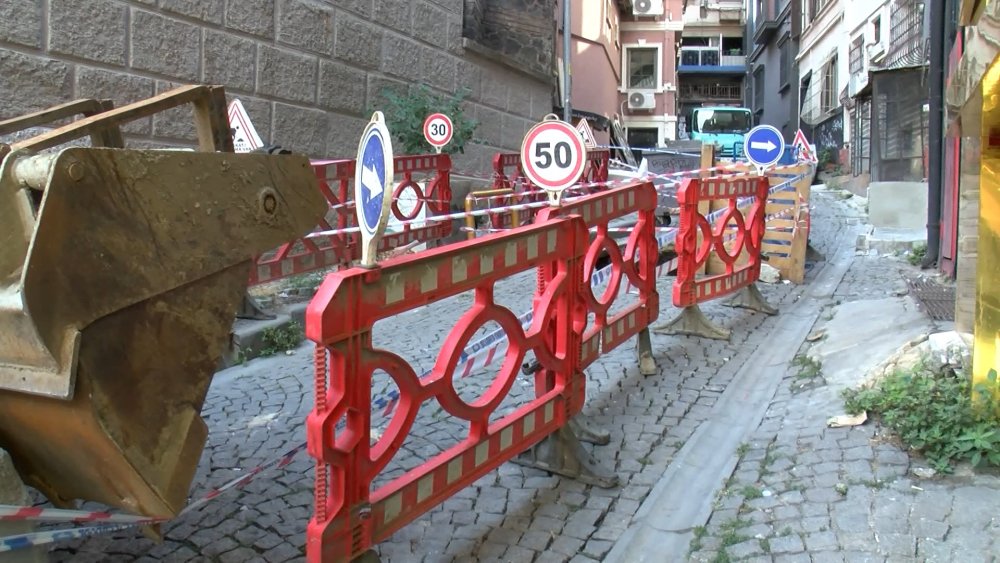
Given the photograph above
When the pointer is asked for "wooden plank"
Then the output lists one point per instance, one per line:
(109, 136)
(116, 117)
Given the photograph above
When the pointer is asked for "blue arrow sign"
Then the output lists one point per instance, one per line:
(764, 146)
(373, 174)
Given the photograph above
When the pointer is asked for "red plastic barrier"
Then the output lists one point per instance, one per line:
(691, 290)
(335, 180)
(508, 174)
(637, 265)
(350, 517)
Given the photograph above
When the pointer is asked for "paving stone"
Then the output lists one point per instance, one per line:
(903, 545)
(821, 541)
(566, 545)
(791, 543)
(745, 549)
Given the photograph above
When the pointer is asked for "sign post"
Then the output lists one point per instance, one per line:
(552, 156)
(438, 130)
(372, 179)
(763, 147)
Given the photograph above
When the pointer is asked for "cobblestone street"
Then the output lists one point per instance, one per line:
(780, 504)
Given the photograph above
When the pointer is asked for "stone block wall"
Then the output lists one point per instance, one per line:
(309, 72)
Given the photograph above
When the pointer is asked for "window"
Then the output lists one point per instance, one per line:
(643, 137)
(829, 97)
(856, 61)
(758, 88)
(786, 64)
(642, 67)
(732, 45)
(877, 30)
(722, 121)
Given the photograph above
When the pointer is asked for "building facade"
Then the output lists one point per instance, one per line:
(309, 72)
(711, 57)
(772, 92)
(888, 93)
(623, 68)
(823, 78)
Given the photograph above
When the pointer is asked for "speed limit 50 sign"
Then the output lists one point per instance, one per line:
(438, 130)
(553, 155)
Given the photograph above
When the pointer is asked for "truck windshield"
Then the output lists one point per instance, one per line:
(721, 121)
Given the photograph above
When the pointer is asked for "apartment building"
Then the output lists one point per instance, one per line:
(623, 67)
(711, 56)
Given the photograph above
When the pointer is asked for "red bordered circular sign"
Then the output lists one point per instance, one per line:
(552, 155)
(438, 129)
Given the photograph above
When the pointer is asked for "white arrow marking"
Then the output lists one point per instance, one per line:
(371, 181)
(768, 146)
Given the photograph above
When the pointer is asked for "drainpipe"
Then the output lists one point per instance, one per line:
(567, 45)
(935, 178)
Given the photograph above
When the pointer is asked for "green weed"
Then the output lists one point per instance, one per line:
(808, 367)
(937, 412)
(280, 339)
(751, 492)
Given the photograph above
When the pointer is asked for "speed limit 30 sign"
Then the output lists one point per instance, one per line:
(438, 129)
(552, 155)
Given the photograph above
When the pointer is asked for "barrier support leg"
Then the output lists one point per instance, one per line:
(693, 322)
(367, 557)
(562, 454)
(750, 298)
(250, 309)
(587, 433)
(644, 350)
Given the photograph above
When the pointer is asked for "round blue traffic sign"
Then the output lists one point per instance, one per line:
(372, 163)
(763, 146)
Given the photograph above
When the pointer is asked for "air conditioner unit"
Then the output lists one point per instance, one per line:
(647, 7)
(875, 51)
(639, 99)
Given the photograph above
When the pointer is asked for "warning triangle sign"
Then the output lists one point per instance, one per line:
(805, 149)
(245, 137)
(587, 133)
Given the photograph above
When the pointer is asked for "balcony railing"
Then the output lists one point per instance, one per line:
(702, 57)
(906, 44)
(711, 91)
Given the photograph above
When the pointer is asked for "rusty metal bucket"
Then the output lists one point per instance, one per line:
(120, 272)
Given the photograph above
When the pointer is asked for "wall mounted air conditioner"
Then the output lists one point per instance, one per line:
(647, 7)
(641, 99)
(875, 51)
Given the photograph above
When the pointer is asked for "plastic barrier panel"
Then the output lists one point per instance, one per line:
(508, 175)
(335, 178)
(350, 517)
(636, 266)
(693, 253)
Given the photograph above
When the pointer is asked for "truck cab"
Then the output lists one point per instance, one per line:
(723, 127)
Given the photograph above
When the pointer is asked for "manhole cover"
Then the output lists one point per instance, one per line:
(938, 301)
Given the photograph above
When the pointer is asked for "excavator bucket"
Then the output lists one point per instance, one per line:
(120, 272)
